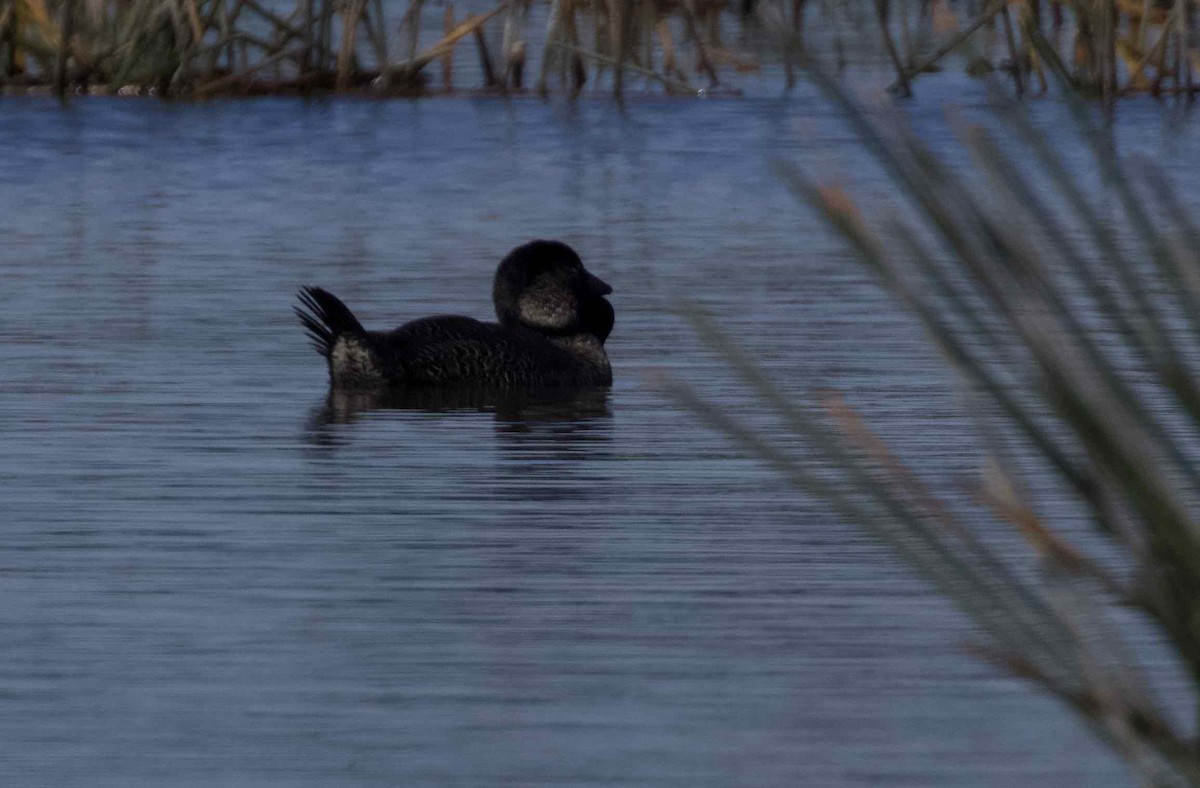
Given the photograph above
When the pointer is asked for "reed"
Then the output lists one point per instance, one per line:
(206, 47)
(1076, 351)
(202, 48)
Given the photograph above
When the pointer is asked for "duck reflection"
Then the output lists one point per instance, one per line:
(523, 406)
(550, 445)
(558, 422)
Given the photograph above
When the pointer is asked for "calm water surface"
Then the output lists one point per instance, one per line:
(213, 576)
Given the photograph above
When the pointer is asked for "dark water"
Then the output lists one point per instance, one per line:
(212, 576)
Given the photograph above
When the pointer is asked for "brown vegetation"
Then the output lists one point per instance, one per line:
(206, 47)
(200, 48)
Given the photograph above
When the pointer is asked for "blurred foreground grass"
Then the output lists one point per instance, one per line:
(1076, 349)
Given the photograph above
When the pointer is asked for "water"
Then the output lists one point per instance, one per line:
(212, 577)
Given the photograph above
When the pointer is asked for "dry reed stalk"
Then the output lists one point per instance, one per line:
(644, 16)
(8, 39)
(309, 17)
(1013, 55)
(620, 18)
(798, 7)
(989, 11)
(231, 24)
(671, 84)
(237, 38)
(229, 80)
(663, 28)
(328, 9)
(210, 18)
(313, 21)
(381, 24)
(552, 53)
(485, 58)
(1172, 90)
(1031, 21)
(702, 58)
(831, 8)
(1143, 25)
(1185, 65)
(448, 58)
(411, 68)
(411, 23)
(1132, 83)
(218, 16)
(280, 24)
(67, 27)
(193, 16)
(1111, 20)
(571, 30)
(906, 37)
(881, 15)
(1048, 57)
(1160, 66)
(345, 62)
(181, 75)
(513, 44)
(376, 35)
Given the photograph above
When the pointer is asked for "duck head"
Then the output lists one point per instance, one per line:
(543, 285)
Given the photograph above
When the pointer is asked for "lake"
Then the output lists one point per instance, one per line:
(213, 576)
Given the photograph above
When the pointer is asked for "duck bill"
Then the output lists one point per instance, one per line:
(597, 286)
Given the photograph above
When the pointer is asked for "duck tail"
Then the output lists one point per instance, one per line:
(325, 319)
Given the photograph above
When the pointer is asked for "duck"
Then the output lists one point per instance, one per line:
(552, 321)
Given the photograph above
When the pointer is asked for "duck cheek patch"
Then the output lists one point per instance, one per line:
(546, 306)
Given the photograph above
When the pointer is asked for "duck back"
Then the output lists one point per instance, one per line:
(451, 349)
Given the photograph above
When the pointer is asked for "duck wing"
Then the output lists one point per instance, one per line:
(453, 349)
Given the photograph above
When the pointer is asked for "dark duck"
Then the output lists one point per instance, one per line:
(552, 317)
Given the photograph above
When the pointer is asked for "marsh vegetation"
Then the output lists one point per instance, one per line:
(200, 48)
